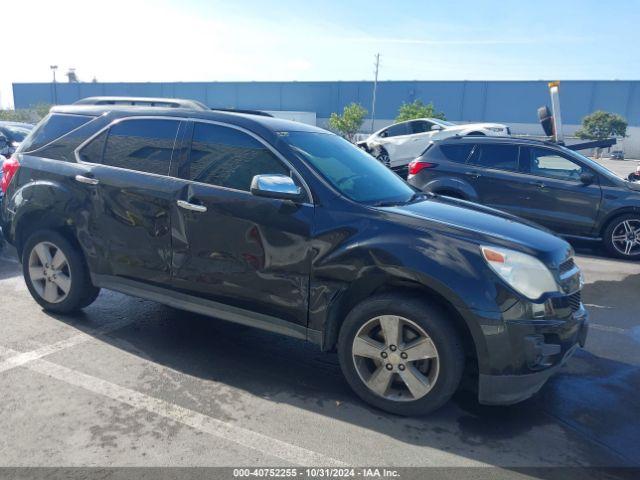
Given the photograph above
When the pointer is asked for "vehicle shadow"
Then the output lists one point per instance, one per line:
(592, 401)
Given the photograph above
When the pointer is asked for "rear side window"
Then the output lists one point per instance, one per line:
(141, 145)
(457, 153)
(501, 157)
(228, 158)
(52, 127)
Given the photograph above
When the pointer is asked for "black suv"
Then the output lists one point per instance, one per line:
(289, 228)
(540, 181)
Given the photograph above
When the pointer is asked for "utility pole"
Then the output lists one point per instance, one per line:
(55, 88)
(375, 88)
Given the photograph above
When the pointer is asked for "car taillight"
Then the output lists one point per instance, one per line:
(417, 165)
(9, 169)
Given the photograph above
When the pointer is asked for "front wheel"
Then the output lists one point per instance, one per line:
(400, 354)
(622, 237)
(56, 274)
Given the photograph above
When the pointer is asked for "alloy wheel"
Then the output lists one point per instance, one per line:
(49, 272)
(384, 159)
(625, 237)
(395, 358)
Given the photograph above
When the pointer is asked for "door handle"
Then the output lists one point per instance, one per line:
(191, 206)
(87, 180)
(540, 185)
(473, 174)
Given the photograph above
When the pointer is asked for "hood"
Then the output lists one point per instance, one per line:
(486, 226)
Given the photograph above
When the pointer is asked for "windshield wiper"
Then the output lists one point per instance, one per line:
(392, 203)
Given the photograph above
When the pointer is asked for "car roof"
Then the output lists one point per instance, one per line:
(490, 139)
(247, 120)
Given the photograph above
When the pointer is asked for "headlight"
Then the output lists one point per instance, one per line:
(524, 273)
(496, 129)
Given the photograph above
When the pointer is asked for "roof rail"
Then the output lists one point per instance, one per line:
(143, 102)
(238, 110)
(162, 103)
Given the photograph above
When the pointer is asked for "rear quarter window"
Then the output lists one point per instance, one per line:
(457, 153)
(52, 127)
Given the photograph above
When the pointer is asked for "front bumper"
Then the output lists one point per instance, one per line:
(537, 350)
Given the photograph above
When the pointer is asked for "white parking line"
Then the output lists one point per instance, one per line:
(19, 359)
(198, 421)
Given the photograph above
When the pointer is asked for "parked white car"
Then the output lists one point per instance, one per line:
(398, 144)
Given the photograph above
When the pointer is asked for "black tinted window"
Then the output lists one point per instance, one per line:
(420, 126)
(503, 157)
(396, 130)
(456, 152)
(52, 127)
(142, 145)
(92, 152)
(228, 157)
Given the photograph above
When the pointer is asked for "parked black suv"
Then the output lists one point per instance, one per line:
(540, 181)
(289, 228)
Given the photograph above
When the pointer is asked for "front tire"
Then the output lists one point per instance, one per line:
(400, 354)
(622, 237)
(55, 273)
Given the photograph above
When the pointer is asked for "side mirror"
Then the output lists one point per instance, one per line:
(587, 178)
(436, 128)
(275, 186)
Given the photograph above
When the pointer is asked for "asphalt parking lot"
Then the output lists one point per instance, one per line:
(131, 382)
(134, 383)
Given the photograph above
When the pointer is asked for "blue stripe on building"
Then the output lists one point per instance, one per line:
(500, 101)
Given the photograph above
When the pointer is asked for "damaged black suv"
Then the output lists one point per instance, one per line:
(292, 229)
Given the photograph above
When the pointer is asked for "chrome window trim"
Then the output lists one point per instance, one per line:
(194, 120)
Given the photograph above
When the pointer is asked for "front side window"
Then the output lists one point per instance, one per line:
(396, 130)
(547, 163)
(351, 171)
(501, 157)
(420, 126)
(228, 158)
(144, 145)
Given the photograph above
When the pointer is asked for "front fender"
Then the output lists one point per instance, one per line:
(434, 264)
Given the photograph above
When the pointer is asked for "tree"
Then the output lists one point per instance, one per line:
(28, 115)
(602, 125)
(417, 109)
(349, 123)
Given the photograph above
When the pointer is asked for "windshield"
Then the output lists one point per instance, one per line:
(353, 172)
(444, 123)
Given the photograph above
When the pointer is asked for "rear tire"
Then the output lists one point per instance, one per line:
(413, 373)
(56, 274)
(622, 235)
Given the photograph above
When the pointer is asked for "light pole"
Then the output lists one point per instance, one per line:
(375, 88)
(55, 90)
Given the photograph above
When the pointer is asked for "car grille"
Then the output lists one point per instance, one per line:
(566, 266)
(575, 299)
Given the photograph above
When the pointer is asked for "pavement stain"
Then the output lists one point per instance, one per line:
(123, 421)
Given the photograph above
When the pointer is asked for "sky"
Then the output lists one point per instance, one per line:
(253, 40)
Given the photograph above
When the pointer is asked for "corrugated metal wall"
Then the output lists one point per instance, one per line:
(509, 101)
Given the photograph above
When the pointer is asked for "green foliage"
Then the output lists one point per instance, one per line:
(601, 125)
(27, 115)
(349, 123)
(417, 109)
